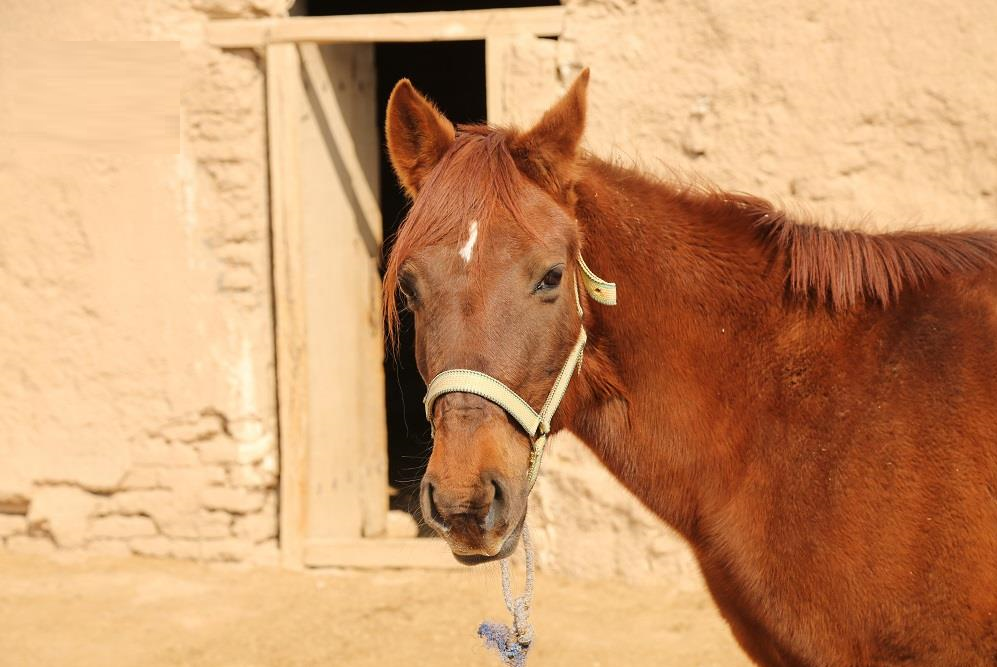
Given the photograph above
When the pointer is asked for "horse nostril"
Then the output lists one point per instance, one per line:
(499, 497)
(434, 511)
(495, 510)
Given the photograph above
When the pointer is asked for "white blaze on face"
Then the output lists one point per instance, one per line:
(472, 238)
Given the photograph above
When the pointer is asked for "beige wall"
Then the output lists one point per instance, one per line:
(137, 392)
(874, 108)
(136, 401)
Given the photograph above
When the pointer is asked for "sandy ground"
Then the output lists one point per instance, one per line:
(156, 613)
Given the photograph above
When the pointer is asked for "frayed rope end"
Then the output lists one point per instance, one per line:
(512, 643)
(501, 638)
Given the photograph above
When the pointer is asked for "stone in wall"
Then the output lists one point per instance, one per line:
(226, 550)
(14, 502)
(120, 527)
(196, 428)
(12, 524)
(235, 501)
(266, 553)
(140, 478)
(61, 513)
(164, 547)
(218, 450)
(260, 526)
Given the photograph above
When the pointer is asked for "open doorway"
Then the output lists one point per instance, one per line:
(452, 74)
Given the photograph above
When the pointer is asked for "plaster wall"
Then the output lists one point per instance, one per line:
(137, 392)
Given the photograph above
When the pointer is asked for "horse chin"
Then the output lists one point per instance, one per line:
(508, 546)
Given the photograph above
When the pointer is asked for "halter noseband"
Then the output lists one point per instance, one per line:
(536, 424)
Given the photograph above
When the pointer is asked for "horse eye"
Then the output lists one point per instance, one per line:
(408, 292)
(552, 279)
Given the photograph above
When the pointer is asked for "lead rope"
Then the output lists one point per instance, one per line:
(513, 643)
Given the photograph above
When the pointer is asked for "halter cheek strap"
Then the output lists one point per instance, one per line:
(535, 424)
(600, 290)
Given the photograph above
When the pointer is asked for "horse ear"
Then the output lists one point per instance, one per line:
(418, 135)
(548, 151)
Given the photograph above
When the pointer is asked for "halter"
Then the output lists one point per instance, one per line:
(536, 424)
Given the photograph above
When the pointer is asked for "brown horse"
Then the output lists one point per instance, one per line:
(815, 411)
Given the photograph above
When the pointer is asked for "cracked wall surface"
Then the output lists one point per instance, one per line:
(137, 403)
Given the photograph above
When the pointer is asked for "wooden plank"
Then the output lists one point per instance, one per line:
(342, 138)
(287, 237)
(421, 553)
(410, 27)
(326, 233)
(357, 98)
(340, 148)
(372, 417)
(336, 276)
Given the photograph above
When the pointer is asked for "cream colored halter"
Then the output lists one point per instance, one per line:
(536, 424)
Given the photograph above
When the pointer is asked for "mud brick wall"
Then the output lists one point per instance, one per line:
(137, 395)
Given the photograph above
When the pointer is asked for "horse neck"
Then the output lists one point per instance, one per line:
(665, 386)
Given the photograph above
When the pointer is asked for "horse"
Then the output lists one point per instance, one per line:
(814, 410)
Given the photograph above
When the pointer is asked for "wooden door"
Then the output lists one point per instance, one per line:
(326, 235)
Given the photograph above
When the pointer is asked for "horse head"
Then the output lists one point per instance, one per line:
(487, 262)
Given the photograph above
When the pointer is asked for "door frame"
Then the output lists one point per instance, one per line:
(290, 48)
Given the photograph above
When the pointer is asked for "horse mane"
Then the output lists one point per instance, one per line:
(476, 177)
(843, 268)
(836, 268)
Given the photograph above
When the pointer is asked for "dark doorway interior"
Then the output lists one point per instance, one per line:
(452, 74)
